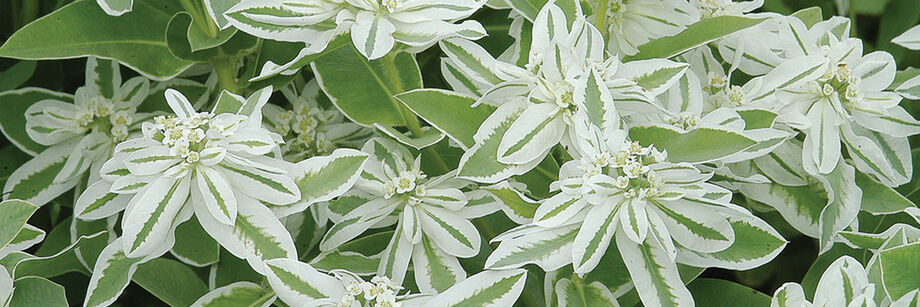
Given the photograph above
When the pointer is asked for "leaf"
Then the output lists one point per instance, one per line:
(695, 35)
(378, 80)
(58, 263)
(843, 205)
(450, 112)
(194, 246)
(170, 281)
(148, 223)
(574, 292)
(756, 243)
(910, 39)
(480, 163)
(38, 291)
(488, 288)
(299, 284)
(135, 39)
(880, 199)
(430, 136)
(256, 236)
(654, 275)
(898, 267)
(14, 214)
(693, 146)
(16, 75)
(111, 275)
(324, 178)
(810, 16)
(910, 88)
(548, 248)
(719, 292)
(13, 121)
(518, 207)
(241, 293)
(435, 270)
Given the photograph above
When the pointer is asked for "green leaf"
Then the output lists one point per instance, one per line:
(194, 246)
(575, 292)
(16, 75)
(450, 112)
(527, 8)
(241, 293)
(61, 262)
(363, 89)
(111, 275)
(136, 39)
(880, 199)
(756, 243)
(37, 291)
(757, 118)
(13, 120)
(12, 158)
(13, 216)
(899, 268)
(697, 34)
(516, 205)
(324, 178)
(811, 16)
(88, 252)
(693, 146)
(488, 288)
(170, 281)
(719, 292)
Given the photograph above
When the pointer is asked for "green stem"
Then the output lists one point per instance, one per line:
(600, 17)
(29, 12)
(389, 64)
(200, 17)
(226, 73)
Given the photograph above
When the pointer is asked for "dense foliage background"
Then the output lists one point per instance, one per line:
(876, 22)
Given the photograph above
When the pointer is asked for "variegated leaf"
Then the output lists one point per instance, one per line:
(488, 288)
(242, 293)
(299, 284)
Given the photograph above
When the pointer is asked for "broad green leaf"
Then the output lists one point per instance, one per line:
(720, 292)
(488, 288)
(13, 158)
(899, 266)
(527, 8)
(16, 75)
(654, 275)
(27, 237)
(355, 262)
(170, 281)
(13, 121)
(697, 34)
(377, 81)
(241, 293)
(178, 35)
(757, 118)
(14, 214)
(136, 39)
(880, 199)
(256, 236)
(88, 252)
(693, 146)
(450, 112)
(60, 262)
(194, 246)
(231, 269)
(800, 206)
(810, 16)
(324, 178)
(38, 291)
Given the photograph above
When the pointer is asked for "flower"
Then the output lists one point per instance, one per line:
(310, 129)
(847, 102)
(213, 162)
(375, 26)
(80, 134)
(432, 227)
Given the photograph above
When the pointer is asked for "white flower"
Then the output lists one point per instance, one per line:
(428, 212)
(375, 25)
(83, 132)
(632, 23)
(310, 129)
(212, 162)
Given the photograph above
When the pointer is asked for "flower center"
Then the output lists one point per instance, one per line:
(389, 5)
(839, 80)
(712, 8)
(302, 128)
(100, 113)
(185, 139)
(616, 9)
(685, 120)
(632, 171)
(407, 183)
(380, 291)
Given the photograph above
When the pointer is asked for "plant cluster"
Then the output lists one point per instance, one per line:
(409, 153)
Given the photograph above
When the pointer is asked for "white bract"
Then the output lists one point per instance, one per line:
(632, 23)
(375, 26)
(212, 162)
(432, 225)
(848, 103)
(80, 135)
(844, 283)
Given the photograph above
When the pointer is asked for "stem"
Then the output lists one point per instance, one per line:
(389, 64)
(200, 17)
(226, 73)
(600, 17)
(29, 12)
